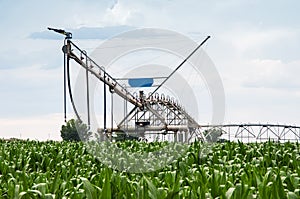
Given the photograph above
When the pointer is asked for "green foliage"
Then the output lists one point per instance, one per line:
(212, 135)
(75, 130)
(31, 169)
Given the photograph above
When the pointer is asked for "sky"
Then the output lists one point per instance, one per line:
(255, 47)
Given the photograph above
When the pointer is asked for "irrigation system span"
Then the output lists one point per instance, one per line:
(154, 113)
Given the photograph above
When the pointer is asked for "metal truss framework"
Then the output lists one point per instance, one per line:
(161, 115)
(256, 132)
(155, 114)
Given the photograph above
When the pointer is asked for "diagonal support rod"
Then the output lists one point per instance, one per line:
(203, 42)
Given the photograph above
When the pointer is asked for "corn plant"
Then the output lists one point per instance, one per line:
(32, 169)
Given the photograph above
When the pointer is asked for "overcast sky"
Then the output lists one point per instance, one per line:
(255, 46)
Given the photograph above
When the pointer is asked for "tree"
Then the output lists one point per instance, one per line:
(212, 135)
(75, 130)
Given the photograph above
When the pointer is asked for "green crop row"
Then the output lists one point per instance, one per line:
(31, 169)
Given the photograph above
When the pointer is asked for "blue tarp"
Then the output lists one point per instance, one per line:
(140, 82)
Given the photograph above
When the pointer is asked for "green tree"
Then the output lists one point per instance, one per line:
(212, 135)
(75, 130)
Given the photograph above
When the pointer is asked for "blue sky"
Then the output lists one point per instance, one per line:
(254, 45)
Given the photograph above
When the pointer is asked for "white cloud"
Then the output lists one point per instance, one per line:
(273, 74)
(263, 91)
(41, 127)
(118, 15)
(30, 91)
(246, 39)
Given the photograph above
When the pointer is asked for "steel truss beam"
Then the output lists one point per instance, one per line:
(256, 132)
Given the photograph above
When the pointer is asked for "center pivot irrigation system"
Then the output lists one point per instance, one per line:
(155, 114)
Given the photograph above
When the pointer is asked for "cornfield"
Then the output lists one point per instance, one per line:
(32, 169)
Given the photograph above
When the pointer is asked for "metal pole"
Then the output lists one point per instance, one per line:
(104, 100)
(112, 114)
(87, 90)
(65, 84)
(66, 59)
